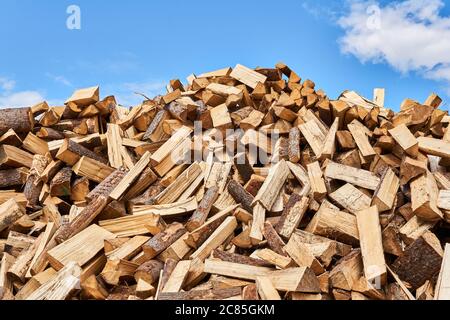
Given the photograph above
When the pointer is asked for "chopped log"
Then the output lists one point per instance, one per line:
(292, 215)
(424, 197)
(11, 138)
(405, 139)
(10, 212)
(351, 198)
(361, 178)
(20, 120)
(301, 254)
(84, 97)
(13, 177)
(35, 145)
(13, 157)
(318, 187)
(163, 240)
(247, 76)
(134, 225)
(71, 152)
(272, 185)
(385, 194)
(201, 214)
(60, 185)
(442, 285)
(266, 289)
(434, 147)
(107, 185)
(240, 195)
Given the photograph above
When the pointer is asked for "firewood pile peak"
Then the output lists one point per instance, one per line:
(239, 184)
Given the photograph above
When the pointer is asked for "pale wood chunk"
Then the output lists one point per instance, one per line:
(405, 139)
(247, 76)
(424, 197)
(385, 194)
(272, 185)
(358, 177)
(266, 289)
(315, 174)
(351, 198)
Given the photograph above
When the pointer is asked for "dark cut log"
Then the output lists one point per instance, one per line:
(243, 166)
(178, 111)
(50, 134)
(13, 177)
(200, 215)
(80, 189)
(163, 240)
(34, 184)
(238, 258)
(169, 266)
(240, 195)
(10, 212)
(250, 293)
(145, 180)
(11, 138)
(70, 152)
(107, 185)
(149, 271)
(82, 220)
(155, 131)
(18, 119)
(79, 126)
(60, 185)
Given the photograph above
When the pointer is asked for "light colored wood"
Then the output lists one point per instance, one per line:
(259, 216)
(435, 147)
(253, 120)
(386, 193)
(300, 253)
(371, 245)
(378, 97)
(247, 76)
(222, 233)
(129, 249)
(134, 225)
(85, 97)
(224, 90)
(274, 258)
(165, 150)
(314, 136)
(315, 174)
(405, 139)
(14, 157)
(6, 286)
(131, 177)
(443, 283)
(329, 146)
(80, 248)
(221, 117)
(351, 198)
(292, 215)
(444, 200)
(41, 249)
(10, 212)
(424, 197)
(35, 145)
(177, 278)
(114, 141)
(175, 209)
(272, 185)
(266, 290)
(361, 139)
(358, 177)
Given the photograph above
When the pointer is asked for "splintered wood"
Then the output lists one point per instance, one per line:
(280, 193)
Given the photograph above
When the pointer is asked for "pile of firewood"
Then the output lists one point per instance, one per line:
(326, 199)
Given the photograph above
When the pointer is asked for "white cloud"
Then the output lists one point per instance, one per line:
(20, 99)
(59, 79)
(7, 84)
(125, 93)
(410, 35)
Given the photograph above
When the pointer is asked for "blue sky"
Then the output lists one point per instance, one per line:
(127, 46)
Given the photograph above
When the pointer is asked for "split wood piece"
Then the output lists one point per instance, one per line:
(292, 215)
(61, 286)
(209, 294)
(116, 271)
(243, 166)
(218, 176)
(107, 185)
(434, 147)
(35, 283)
(11, 138)
(166, 149)
(371, 245)
(414, 229)
(443, 283)
(34, 185)
(385, 194)
(51, 170)
(358, 177)
(130, 177)
(180, 185)
(197, 237)
(273, 239)
(351, 198)
(21, 120)
(410, 169)
(19, 197)
(155, 131)
(294, 145)
(163, 240)
(177, 251)
(329, 146)
(266, 289)
(80, 189)
(14, 157)
(302, 256)
(424, 197)
(347, 271)
(175, 209)
(238, 258)
(421, 261)
(253, 121)
(50, 118)
(149, 271)
(403, 136)
(146, 179)
(81, 248)
(13, 177)
(219, 236)
(71, 152)
(85, 97)
(47, 242)
(259, 217)
(247, 76)
(60, 185)
(275, 259)
(35, 145)
(177, 278)
(335, 225)
(444, 200)
(240, 195)
(293, 279)
(6, 285)
(114, 140)
(200, 215)
(19, 268)
(318, 187)
(10, 212)
(314, 136)
(221, 118)
(269, 191)
(82, 220)
(134, 225)
(361, 139)
(93, 289)
(128, 250)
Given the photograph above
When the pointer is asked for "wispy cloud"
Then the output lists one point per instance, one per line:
(7, 84)
(412, 35)
(10, 98)
(59, 79)
(125, 93)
